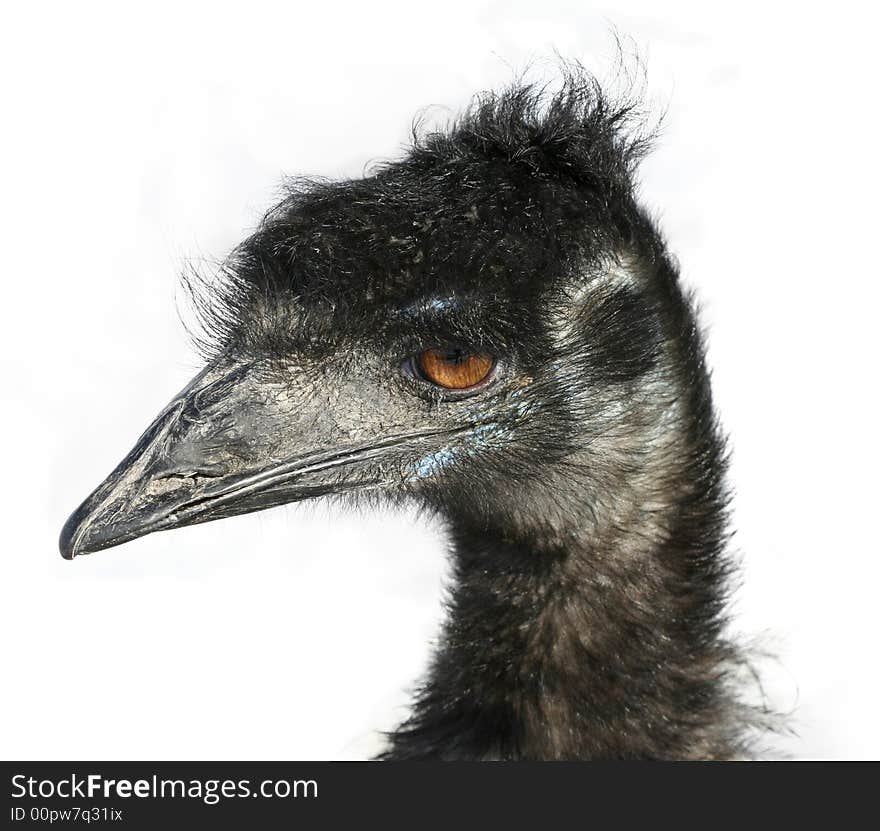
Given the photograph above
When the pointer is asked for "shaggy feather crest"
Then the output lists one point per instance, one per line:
(555, 160)
(576, 132)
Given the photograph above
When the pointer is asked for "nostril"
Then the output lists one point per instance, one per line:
(183, 478)
(213, 470)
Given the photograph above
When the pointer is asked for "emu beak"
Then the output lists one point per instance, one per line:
(231, 442)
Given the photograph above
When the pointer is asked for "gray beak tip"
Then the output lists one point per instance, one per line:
(86, 532)
(68, 539)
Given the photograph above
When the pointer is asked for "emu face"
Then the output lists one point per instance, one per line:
(491, 327)
(459, 328)
(393, 408)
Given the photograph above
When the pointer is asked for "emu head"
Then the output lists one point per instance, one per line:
(487, 326)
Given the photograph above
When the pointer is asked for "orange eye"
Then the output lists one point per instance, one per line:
(455, 369)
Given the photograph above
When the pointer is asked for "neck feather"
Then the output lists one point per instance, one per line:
(604, 642)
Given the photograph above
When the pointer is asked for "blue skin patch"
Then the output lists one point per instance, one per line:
(435, 305)
(482, 436)
(484, 433)
(430, 464)
(440, 304)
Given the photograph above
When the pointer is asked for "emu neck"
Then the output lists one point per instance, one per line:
(606, 646)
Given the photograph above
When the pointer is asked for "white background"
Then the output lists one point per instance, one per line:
(134, 139)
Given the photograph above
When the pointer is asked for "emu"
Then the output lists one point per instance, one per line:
(490, 327)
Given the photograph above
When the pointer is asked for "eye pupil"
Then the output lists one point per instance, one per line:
(455, 368)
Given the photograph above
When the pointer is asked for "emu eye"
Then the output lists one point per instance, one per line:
(453, 368)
